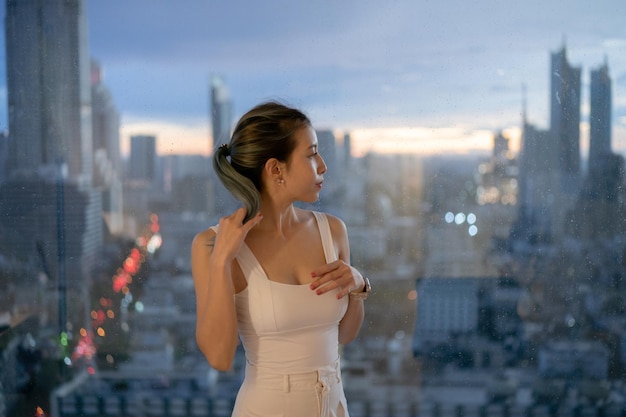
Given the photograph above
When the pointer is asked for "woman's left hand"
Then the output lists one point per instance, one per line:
(336, 275)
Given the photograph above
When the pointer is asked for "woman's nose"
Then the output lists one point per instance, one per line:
(321, 168)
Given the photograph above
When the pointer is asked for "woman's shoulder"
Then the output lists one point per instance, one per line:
(206, 237)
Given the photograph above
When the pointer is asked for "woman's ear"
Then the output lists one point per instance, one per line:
(274, 170)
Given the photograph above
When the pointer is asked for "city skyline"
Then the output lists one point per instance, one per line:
(428, 77)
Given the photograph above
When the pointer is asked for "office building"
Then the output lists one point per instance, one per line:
(51, 225)
(445, 307)
(538, 182)
(142, 163)
(50, 128)
(49, 97)
(549, 164)
(565, 119)
(221, 112)
(599, 119)
(221, 201)
(106, 145)
(106, 118)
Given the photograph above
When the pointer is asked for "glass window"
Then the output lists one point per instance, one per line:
(475, 151)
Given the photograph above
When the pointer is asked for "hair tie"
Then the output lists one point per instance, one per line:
(225, 148)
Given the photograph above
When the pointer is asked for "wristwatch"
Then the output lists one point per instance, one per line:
(362, 295)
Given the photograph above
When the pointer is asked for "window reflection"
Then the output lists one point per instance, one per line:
(498, 276)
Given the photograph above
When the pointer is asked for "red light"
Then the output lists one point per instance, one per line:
(130, 266)
(135, 254)
(119, 281)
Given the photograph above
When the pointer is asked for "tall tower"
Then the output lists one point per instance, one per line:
(142, 158)
(48, 86)
(599, 118)
(221, 112)
(106, 145)
(565, 119)
(106, 118)
(52, 215)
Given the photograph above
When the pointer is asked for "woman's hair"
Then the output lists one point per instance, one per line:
(264, 132)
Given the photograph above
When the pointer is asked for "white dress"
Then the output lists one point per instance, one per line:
(290, 337)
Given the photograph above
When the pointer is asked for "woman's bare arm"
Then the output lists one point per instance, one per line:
(212, 265)
(353, 319)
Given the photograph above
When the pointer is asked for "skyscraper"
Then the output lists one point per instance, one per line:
(599, 118)
(106, 118)
(538, 183)
(51, 219)
(48, 87)
(221, 112)
(106, 145)
(565, 119)
(142, 158)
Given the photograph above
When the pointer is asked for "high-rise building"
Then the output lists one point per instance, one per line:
(49, 95)
(599, 118)
(565, 119)
(549, 166)
(447, 306)
(106, 145)
(51, 221)
(500, 146)
(106, 118)
(538, 183)
(142, 158)
(221, 201)
(347, 151)
(601, 195)
(221, 112)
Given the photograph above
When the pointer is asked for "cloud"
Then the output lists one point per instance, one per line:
(352, 63)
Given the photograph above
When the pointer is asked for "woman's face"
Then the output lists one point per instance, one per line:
(305, 168)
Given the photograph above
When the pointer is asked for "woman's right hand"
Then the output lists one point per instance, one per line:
(212, 256)
(231, 234)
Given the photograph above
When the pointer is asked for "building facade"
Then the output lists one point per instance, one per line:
(51, 223)
(106, 145)
(565, 118)
(49, 96)
(221, 112)
(599, 118)
(142, 163)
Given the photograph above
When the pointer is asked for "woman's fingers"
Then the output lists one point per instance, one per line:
(322, 270)
(232, 232)
(338, 275)
(253, 222)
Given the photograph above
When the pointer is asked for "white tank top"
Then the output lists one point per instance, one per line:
(285, 327)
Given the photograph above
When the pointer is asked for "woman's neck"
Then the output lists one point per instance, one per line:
(279, 221)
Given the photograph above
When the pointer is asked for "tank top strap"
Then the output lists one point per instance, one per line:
(248, 262)
(327, 237)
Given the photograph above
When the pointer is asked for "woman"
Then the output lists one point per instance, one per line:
(275, 275)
